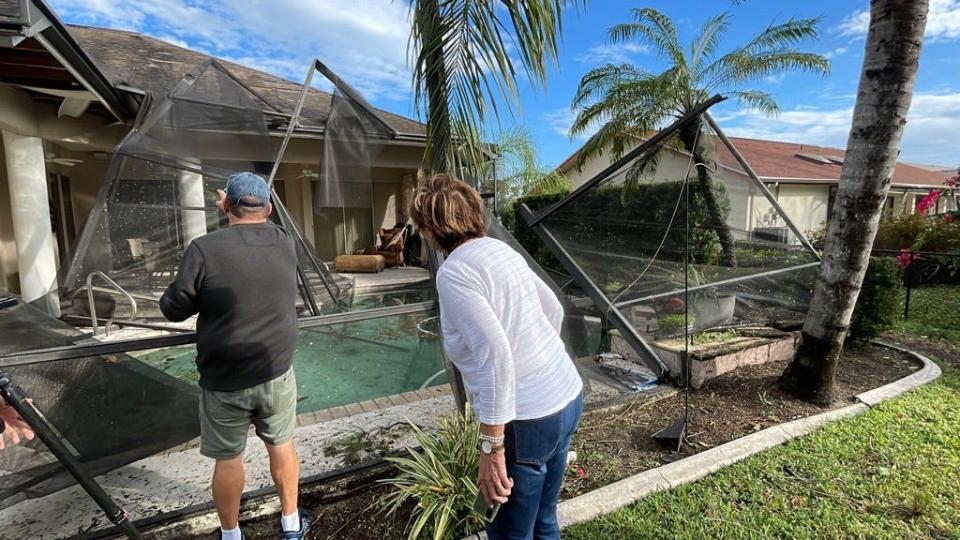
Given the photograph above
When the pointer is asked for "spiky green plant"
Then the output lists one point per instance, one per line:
(628, 102)
(439, 479)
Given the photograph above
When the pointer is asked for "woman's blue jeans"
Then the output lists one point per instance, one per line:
(536, 452)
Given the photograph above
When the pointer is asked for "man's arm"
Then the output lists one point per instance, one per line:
(179, 301)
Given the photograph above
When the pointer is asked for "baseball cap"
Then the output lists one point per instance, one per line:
(247, 184)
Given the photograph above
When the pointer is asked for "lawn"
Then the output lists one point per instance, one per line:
(891, 473)
(935, 310)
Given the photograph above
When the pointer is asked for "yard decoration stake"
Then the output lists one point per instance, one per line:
(885, 90)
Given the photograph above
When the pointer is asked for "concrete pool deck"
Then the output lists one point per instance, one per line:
(179, 478)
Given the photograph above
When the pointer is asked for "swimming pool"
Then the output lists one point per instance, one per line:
(345, 363)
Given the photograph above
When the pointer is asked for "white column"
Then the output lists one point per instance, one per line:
(30, 209)
(192, 222)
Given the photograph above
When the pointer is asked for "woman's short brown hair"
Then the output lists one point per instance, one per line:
(448, 211)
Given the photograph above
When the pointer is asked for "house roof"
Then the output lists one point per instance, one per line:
(131, 59)
(776, 160)
(43, 58)
(785, 160)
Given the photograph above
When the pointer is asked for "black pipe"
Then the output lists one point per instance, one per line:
(15, 397)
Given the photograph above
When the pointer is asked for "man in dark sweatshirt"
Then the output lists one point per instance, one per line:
(242, 281)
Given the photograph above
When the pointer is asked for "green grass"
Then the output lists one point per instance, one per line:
(892, 473)
(936, 306)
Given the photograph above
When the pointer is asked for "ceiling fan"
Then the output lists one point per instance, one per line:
(49, 156)
(66, 162)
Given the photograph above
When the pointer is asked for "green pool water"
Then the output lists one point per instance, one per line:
(345, 363)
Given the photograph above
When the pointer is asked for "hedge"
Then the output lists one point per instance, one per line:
(879, 302)
(626, 220)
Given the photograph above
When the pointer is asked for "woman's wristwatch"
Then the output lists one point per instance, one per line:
(491, 445)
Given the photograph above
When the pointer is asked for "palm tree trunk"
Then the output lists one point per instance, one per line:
(886, 88)
(693, 143)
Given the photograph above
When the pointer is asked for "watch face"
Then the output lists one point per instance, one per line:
(486, 447)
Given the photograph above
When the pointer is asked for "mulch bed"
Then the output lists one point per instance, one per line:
(614, 443)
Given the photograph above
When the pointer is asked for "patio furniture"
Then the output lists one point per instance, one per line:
(391, 246)
(360, 263)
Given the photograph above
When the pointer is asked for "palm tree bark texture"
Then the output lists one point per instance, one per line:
(885, 90)
(692, 138)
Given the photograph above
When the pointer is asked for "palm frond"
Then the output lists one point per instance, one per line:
(706, 43)
(757, 100)
(745, 68)
(786, 34)
(463, 67)
(654, 28)
(647, 163)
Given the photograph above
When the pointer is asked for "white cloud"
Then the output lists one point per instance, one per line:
(365, 44)
(930, 135)
(611, 53)
(943, 21)
(839, 51)
(560, 120)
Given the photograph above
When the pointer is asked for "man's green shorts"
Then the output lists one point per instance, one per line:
(225, 417)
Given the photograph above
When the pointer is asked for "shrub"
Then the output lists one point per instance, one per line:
(918, 233)
(623, 219)
(669, 325)
(879, 302)
(440, 479)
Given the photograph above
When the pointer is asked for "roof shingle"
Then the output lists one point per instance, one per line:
(152, 65)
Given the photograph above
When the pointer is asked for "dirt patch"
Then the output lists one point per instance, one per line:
(356, 517)
(617, 443)
(939, 350)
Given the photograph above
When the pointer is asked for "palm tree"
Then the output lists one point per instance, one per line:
(630, 102)
(518, 170)
(883, 99)
(464, 67)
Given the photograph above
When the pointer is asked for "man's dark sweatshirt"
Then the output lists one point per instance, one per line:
(242, 280)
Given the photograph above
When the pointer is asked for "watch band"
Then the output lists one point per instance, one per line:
(491, 438)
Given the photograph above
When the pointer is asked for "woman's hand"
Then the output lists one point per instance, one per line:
(15, 427)
(492, 478)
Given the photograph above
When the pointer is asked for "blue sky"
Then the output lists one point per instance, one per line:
(365, 42)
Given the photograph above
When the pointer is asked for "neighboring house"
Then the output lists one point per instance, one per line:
(68, 96)
(802, 177)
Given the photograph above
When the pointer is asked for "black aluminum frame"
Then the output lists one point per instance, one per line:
(71, 352)
(611, 310)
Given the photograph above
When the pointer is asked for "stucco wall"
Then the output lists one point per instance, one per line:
(673, 166)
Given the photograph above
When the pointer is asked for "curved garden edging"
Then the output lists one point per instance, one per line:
(624, 492)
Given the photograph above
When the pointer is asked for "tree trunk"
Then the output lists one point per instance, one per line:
(883, 98)
(694, 144)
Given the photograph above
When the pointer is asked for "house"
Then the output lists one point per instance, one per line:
(802, 177)
(70, 94)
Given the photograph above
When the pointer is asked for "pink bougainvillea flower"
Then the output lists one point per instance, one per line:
(928, 202)
(673, 305)
(904, 258)
(953, 181)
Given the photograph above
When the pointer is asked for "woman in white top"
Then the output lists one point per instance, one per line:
(501, 328)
